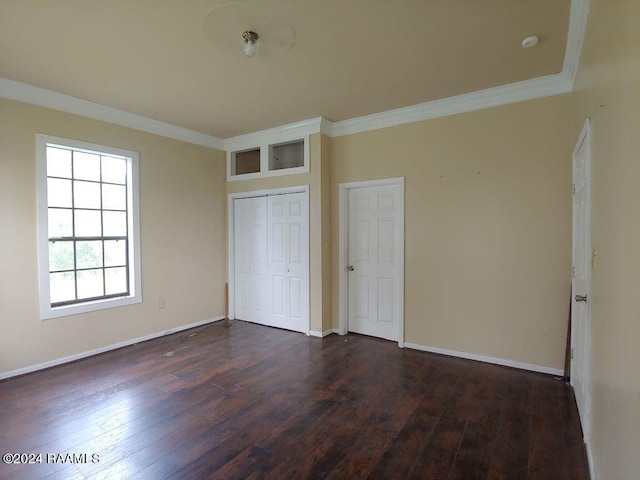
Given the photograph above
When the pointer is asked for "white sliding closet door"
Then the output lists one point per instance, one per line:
(251, 258)
(271, 245)
(288, 248)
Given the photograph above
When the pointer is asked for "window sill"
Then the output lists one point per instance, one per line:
(47, 313)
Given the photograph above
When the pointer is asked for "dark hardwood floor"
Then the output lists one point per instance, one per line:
(254, 402)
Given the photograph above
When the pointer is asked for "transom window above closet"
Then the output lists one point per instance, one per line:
(268, 160)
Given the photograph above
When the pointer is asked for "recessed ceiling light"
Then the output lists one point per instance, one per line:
(531, 41)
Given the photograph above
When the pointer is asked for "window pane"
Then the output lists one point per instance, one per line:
(60, 223)
(89, 254)
(115, 253)
(287, 155)
(60, 256)
(114, 197)
(88, 223)
(62, 287)
(114, 170)
(246, 162)
(115, 223)
(58, 162)
(58, 192)
(86, 166)
(86, 195)
(90, 283)
(116, 280)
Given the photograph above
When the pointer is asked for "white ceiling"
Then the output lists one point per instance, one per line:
(349, 57)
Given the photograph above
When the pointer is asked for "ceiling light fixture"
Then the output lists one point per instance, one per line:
(224, 24)
(531, 41)
(251, 44)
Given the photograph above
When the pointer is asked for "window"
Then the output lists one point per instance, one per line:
(245, 162)
(286, 157)
(88, 228)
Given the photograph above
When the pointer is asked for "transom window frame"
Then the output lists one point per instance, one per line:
(47, 311)
(265, 146)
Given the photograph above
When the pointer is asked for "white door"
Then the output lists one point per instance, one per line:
(581, 285)
(373, 260)
(288, 259)
(250, 225)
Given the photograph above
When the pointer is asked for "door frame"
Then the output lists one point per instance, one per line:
(231, 241)
(343, 229)
(585, 416)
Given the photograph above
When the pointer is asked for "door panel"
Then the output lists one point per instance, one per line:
(385, 240)
(385, 300)
(288, 236)
(361, 299)
(374, 238)
(250, 258)
(361, 234)
(295, 300)
(581, 285)
(278, 295)
(295, 242)
(279, 244)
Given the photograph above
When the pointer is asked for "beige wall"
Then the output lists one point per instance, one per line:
(327, 300)
(182, 238)
(608, 91)
(317, 299)
(488, 226)
(488, 230)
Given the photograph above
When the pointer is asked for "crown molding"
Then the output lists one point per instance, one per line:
(42, 97)
(284, 133)
(575, 38)
(490, 97)
(326, 127)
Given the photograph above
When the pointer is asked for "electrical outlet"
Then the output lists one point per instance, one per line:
(161, 303)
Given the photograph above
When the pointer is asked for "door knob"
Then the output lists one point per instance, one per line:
(581, 298)
(351, 268)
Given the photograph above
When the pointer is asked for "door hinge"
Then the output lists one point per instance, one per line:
(572, 354)
(573, 272)
(573, 190)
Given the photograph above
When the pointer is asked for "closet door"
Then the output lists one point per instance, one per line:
(288, 260)
(251, 282)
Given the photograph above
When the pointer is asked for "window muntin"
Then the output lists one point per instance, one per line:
(89, 250)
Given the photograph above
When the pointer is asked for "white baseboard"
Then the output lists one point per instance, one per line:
(316, 333)
(126, 343)
(592, 468)
(486, 359)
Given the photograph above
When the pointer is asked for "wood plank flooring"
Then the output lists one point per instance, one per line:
(251, 402)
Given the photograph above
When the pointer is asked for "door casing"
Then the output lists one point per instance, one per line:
(343, 249)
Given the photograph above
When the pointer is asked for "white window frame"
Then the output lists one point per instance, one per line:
(135, 286)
